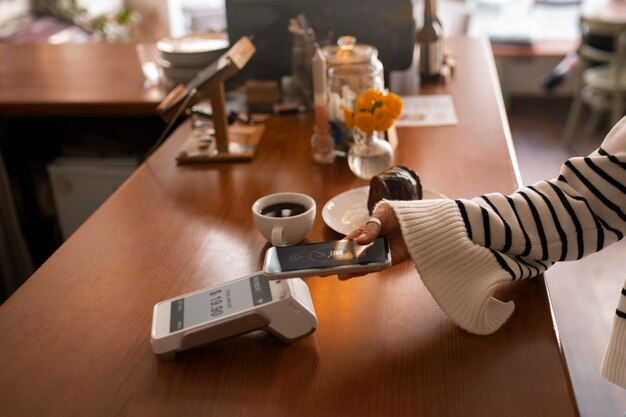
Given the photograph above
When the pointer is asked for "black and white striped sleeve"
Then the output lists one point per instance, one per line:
(464, 249)
(580, 213)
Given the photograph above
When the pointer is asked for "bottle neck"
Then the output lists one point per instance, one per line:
(428, 11)
(431, 24)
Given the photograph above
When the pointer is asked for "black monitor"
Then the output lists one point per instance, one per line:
(386, 24)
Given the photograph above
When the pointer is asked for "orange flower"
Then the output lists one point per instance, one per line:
(382, 119)
(373, 110)
(394, 104)
(364, 121)
(368, 100)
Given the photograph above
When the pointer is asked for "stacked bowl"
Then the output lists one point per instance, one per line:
(182, 58)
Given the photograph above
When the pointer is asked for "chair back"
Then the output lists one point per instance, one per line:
(615, 37)
(601, 73)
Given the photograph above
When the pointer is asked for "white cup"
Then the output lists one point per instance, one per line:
(284, 219)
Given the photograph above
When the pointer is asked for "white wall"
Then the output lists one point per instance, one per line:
(10, 9)
(160, 18)
(100, 7)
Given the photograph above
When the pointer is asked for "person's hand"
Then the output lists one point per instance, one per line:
(389, 227)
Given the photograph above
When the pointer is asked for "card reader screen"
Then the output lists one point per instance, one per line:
(326, 254)
(219, 302)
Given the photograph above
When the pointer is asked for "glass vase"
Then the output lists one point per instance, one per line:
(370, 154)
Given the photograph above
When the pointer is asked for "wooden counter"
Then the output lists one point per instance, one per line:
(74, 79)
(75, 337)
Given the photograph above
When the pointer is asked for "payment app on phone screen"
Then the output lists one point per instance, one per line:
(329, 254)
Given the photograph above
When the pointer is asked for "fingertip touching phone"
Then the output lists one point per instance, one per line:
(326, 258)
(284, 308)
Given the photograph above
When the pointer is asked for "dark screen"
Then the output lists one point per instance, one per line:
(388, 25)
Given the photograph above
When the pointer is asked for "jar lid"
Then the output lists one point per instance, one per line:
(347, 51)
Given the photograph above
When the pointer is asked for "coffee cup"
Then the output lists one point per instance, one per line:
(284, 219)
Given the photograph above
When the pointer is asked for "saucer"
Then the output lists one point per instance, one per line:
(348, 210)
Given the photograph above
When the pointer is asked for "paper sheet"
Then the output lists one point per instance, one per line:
(436, 110)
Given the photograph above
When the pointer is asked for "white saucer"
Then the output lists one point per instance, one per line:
(348, 210)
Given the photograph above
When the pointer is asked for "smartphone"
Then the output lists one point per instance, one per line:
(326, 258)
(284, 308)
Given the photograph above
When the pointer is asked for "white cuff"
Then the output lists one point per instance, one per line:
(614, 363)
(461, 275)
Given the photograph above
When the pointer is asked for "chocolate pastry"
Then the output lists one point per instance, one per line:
(397, 183)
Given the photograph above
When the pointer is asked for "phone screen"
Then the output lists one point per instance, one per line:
(219, 302)
(329, 254)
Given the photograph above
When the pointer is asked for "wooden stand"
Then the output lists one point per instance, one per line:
(210, 83)
(242, 145)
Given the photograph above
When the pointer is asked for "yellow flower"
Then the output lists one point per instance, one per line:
(373, 110)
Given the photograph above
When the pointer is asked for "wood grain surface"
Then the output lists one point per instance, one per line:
(74, 79)
(75, 337)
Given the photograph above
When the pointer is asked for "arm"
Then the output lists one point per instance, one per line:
(614, 363)
(465, 249)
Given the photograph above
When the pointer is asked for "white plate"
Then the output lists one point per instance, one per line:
(348, 210)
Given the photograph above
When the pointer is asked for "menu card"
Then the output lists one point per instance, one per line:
(435, 110)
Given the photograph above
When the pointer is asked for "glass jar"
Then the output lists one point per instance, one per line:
(349, 52)
(353, 68)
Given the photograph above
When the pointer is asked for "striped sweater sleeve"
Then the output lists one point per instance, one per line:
(465, 249)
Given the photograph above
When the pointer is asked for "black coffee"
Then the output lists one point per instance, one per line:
(283, 210)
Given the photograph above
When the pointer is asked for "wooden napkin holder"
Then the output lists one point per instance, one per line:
(209, 83)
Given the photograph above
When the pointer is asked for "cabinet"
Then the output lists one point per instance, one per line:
(81, 185)
(522, 76)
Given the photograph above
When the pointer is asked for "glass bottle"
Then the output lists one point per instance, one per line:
(322, 142)
(322, 146)
(429, 40)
